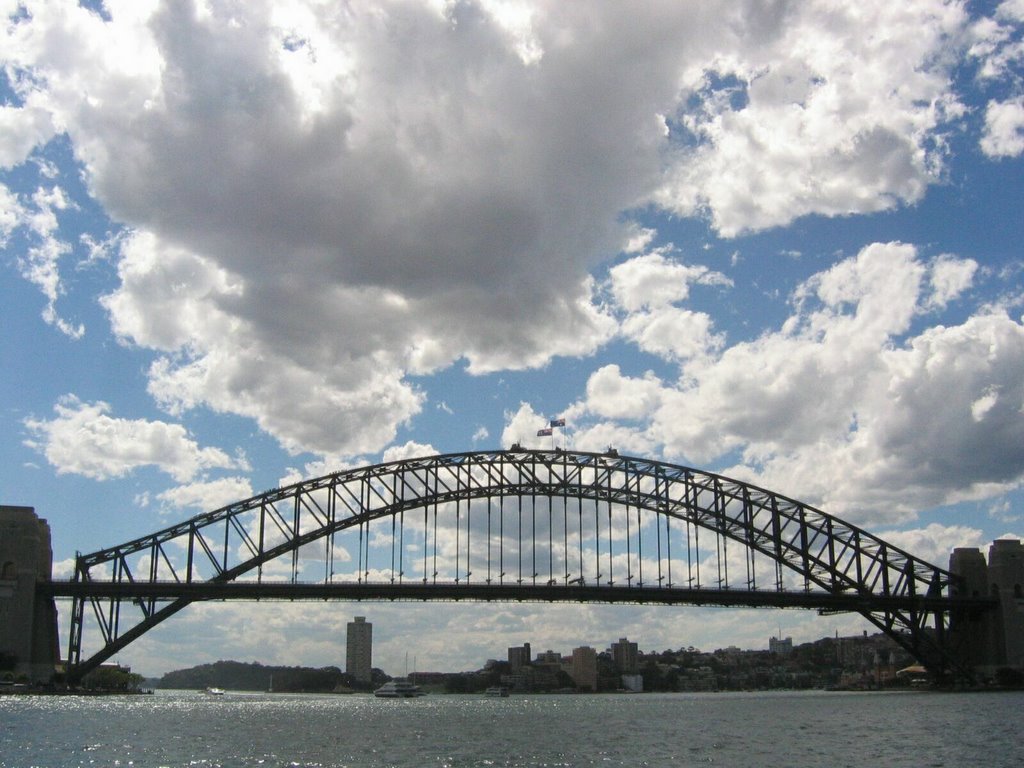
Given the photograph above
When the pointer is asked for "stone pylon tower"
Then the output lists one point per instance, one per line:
(28, 623)
(988, 640)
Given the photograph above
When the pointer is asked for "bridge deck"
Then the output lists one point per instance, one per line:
(555, 593)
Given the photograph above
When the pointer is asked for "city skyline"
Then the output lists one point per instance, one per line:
(249, 244)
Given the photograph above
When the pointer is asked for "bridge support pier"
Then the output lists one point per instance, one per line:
(28, 622)
(990, 640)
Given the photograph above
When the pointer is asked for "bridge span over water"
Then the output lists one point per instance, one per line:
(521, 525)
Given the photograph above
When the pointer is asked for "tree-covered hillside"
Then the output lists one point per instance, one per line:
(240, 676)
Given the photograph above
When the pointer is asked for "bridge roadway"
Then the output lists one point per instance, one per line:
(482, 592)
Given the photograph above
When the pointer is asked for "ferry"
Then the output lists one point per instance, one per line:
(399, 688)
(215, 691)
(497, 691)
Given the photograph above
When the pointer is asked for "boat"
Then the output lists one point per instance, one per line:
(215, 691)
(399, 688)
(497, 691)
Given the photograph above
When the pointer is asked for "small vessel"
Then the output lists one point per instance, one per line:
(497, 691)
(215, 691)
(399, 688)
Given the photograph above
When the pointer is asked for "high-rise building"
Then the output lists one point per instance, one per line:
(626, 656)
(584, 668)
(359, 649)
(549, 657)
(519, 657)
(779, 646)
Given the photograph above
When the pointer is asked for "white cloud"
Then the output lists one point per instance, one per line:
(410, 450)
(654, 280)
(673, 333)
(950, 277)
(816, 113)
(207, 495)
(365, 193)
(23, 129)
(40, 262)
(84, 439)
(1004, 128)
(1011, 9)
(840, 407)
(995, 43)
(614, 396)
(935, 542)
(11, 214)
(521, 427)
(646, 288)
(325, 465)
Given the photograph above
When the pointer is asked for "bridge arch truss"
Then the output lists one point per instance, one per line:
(513, 525)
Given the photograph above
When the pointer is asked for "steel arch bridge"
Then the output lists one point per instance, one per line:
(515, 525)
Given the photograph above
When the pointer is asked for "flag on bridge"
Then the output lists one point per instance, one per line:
(546, 432)
(558, 422)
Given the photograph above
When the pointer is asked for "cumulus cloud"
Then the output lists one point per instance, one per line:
(842, 405)
(521, 427)
(646, 290)
(614, 396)
(1004, 128)
(950, 277)
(793, 119)
(366, 193)
(207, 495)
(935, 542)
(84, 439)
(655, 280)
(23, 129)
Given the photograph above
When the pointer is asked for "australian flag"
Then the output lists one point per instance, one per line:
(558, 422)
(544, 432)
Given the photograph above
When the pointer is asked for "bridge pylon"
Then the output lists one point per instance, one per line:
(28, 620)
(989, 640)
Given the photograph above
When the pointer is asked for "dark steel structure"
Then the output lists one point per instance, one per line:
(515, 525)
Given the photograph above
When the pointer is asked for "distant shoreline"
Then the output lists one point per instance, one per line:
(40, 691)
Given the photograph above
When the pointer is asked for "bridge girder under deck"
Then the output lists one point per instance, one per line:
(555, 526)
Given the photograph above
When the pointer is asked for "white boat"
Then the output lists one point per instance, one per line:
(399, 688)
(215, 691)
(497, 691)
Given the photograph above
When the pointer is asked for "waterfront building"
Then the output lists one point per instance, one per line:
(549, 657)
(518, 657)
(583, 668)
(359, 649)
(626, 656)
(780, 647)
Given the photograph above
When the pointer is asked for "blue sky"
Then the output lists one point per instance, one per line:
(247, 244)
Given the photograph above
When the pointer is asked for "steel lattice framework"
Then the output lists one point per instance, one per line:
(515, 525)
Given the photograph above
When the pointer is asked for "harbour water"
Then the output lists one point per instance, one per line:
(239, 730)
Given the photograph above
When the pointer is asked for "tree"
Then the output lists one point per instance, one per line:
(112, 679)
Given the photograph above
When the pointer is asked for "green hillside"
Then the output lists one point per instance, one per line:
(241, 676)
